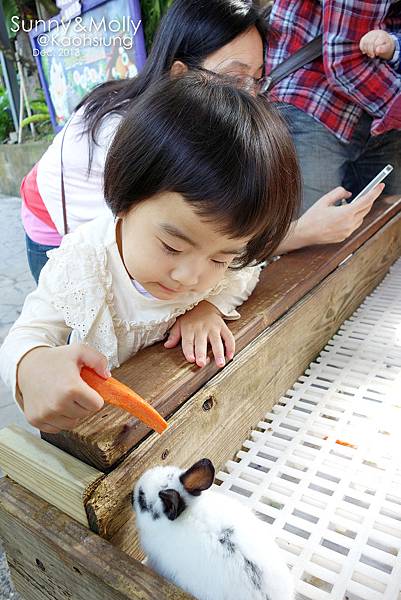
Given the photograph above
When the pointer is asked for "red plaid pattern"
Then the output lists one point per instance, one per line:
(338, 88)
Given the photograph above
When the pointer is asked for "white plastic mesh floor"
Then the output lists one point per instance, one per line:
(324, 466)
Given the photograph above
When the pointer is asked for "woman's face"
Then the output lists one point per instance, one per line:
(242, 56)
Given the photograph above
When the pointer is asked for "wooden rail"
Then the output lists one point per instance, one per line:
(166, 380)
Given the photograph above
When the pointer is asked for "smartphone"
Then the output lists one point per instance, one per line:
(379, 178)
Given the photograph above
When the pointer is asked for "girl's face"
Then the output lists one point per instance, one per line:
(242, 56)
(171, 251)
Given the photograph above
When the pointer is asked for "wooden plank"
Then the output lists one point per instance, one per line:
(52, 557)
(216, 420)
(166, 380)
(52, 474)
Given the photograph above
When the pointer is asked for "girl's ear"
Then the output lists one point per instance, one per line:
(178, 68)
(199, 477)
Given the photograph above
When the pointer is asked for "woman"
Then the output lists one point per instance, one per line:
(224, 36)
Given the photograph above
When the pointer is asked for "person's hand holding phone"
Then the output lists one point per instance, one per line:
(326, 223)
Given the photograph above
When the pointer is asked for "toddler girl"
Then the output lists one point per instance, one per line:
(201, 179)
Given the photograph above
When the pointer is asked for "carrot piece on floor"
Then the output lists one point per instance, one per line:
(341, 443)
(116, 393)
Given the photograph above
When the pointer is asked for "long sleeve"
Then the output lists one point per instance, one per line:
(369, 83)
(395, 61)
(235, 288)
(39, 324)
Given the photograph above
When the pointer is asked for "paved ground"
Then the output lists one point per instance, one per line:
(15, 283)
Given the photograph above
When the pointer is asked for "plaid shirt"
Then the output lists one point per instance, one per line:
(336, 90)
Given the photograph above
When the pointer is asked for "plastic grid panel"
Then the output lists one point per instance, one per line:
(324, 466)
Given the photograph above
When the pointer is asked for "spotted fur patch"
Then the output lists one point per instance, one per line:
(225, 540)
(254, 573)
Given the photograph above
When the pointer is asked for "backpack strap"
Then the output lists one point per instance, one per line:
(300, 58)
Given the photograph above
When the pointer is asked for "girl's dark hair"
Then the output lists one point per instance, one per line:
(190, 31)
(227, 153)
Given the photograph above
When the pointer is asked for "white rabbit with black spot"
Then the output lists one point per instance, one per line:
(209, 544)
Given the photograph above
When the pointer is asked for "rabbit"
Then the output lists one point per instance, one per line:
(209, 544)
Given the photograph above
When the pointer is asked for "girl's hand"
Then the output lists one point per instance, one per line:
(55, 398)
(326, 223)
(196, 328)
(377, 43)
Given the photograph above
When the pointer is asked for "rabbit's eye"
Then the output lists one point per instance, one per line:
(142, 501)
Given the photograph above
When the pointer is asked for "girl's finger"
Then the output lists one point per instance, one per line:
(200, 348)
(187, 345)
(86, 397)
(229, 342)
(372, 47)
(174, 336)
(62, 422)
(89, 357)
(75, 411)
(381, 47)
(55, 424)
(217, 347)
(48, 428)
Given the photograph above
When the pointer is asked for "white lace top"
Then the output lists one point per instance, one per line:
(84, 291)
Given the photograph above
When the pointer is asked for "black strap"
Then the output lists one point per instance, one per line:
(302, 57)
(63, 202)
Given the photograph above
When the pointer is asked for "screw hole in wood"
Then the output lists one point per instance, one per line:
(40, 565)
(208, 403)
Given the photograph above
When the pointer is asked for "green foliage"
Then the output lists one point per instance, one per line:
(152, 12)
(40, 116)
(6, 122)
(10, 9)
(36, 118)
(39, 107)
(26, 9)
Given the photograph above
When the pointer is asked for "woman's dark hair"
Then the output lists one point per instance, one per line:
(190, 31)
(227, 153)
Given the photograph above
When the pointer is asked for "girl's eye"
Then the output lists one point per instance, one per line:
(169, 249)
(219, 263)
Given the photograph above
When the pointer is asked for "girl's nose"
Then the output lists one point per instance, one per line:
(186, 274)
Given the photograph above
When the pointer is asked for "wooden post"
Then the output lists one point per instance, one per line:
(50, 473)
(52, 557)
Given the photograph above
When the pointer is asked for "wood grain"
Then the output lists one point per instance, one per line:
(52, 557)
(166, 380)
(216, 420)
(52, 474)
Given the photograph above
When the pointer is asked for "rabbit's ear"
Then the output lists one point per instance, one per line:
(173, 503)
(199, 477)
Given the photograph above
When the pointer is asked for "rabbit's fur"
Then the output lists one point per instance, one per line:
(207, 543)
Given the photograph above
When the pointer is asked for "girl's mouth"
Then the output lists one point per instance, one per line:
(166, 289)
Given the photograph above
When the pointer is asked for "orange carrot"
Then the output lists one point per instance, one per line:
(341, 443)
(118, 394)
